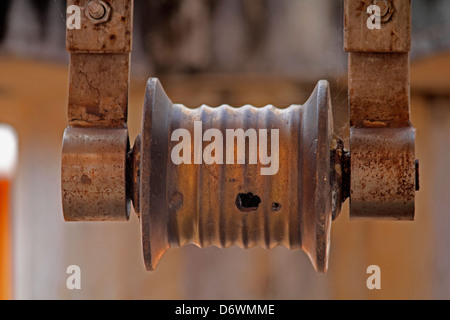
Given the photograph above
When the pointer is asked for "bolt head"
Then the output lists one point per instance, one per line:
(386, 9)
(98, 11)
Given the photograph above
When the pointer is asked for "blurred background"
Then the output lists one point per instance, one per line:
(213, 52)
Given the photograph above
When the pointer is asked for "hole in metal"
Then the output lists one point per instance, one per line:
(276, 206)
(246, 202)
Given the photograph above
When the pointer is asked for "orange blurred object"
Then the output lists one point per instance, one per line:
(5, 242)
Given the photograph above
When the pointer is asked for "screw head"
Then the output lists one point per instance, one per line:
(386, 9)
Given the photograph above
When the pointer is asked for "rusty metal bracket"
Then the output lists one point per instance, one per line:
(382, 139)
(96, 141)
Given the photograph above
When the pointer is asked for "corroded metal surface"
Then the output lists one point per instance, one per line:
(382, 139)
(378, 90)
(233, 204)
(98, 92)
(115, 36)
(94, 174)
(95, 146)
(383, 173)
(395, 32)
(100, 66)
(98, 11)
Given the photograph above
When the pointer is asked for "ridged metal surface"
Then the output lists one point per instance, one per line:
(202, 197)
(196, 203)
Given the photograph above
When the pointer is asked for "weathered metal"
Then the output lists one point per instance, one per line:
(214, 204)
(230, 201)
(96, 143)
(395, 32)
(378, 90)
(115, 36)
(387, 9)
(93, 174)
(98, 92)
(382, 138)
(98, 11)
(383, 173)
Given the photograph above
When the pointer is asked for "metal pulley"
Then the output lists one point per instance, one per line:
(232, 176)
(223, 201)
